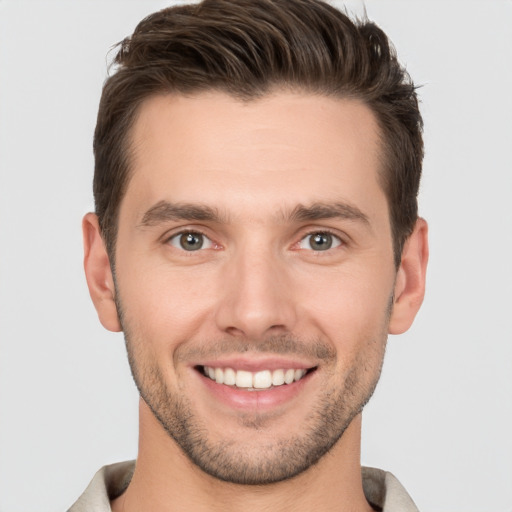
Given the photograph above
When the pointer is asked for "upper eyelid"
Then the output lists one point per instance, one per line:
(186, 232)
(171, 233)
(322, 230)
(334, 232)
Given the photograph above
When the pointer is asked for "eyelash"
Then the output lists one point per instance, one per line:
(177, 236)
(337, 240)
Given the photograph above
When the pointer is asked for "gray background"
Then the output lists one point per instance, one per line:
(441, 419)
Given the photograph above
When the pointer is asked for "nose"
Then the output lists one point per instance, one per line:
(257, 296)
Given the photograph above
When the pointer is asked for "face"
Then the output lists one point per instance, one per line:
(255, 276)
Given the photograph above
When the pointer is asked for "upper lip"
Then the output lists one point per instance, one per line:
(255, 364)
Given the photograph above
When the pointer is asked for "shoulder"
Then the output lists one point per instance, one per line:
(108, 483)
(383, 490)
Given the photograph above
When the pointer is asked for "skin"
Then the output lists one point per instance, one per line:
(257, 294)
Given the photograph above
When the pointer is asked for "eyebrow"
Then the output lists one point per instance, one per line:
(164, 211)
(319, 211)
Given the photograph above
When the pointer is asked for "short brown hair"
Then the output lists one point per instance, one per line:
(247, 48)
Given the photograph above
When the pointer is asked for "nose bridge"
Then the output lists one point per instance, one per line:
(256, 296)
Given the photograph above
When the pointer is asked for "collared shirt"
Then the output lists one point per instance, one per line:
(382, 490)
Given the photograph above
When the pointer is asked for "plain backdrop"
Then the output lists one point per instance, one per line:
(441, 419)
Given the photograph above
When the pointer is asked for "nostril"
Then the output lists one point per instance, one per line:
(277, 327)
(234, 331)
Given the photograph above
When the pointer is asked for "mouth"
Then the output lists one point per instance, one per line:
(260, 380)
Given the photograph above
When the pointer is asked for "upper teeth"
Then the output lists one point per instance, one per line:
(257, 380)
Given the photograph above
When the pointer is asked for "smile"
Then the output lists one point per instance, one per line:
(264, 379)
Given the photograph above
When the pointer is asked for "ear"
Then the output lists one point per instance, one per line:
(99, 274)
(410, 279)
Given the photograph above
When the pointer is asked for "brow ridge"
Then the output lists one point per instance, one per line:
(319, 211)
(165, 211)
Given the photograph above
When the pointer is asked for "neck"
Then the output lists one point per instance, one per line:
(165, 480)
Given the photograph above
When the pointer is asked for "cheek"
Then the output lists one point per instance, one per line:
(351, 312)
(163, 306)
(350, 302)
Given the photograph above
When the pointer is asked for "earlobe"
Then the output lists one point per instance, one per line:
(99, 274)
(410, 279)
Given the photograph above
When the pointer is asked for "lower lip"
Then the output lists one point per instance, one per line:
(258, 399)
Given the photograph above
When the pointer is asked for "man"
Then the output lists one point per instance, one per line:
(256, 238)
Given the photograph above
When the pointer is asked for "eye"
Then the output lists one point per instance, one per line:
(190, 241)
(320, 241)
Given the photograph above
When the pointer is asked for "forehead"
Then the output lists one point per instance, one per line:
(285, 147)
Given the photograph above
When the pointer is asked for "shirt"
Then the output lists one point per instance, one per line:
(382, 490)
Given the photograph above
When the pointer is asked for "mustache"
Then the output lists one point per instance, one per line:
(282, 345)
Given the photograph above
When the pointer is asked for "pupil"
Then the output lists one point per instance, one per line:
(191, 241)
(321, 241)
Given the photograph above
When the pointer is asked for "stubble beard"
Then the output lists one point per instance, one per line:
(274, 461)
